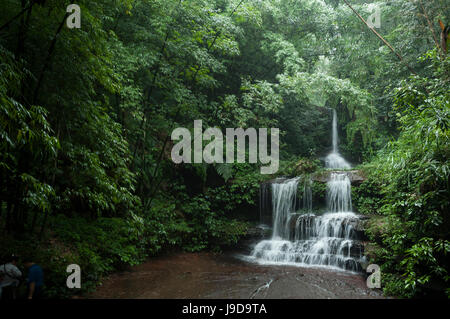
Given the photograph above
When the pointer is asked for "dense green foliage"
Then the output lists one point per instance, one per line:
(409, 186)
(86, 117)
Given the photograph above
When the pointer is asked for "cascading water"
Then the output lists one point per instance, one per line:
(329, 240)
(339, 193)
(283, 202)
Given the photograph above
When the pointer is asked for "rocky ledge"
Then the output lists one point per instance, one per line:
(355, 176)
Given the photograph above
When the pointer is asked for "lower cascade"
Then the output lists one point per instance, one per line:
(329, 240)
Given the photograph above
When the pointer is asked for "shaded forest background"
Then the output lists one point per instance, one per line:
(86, 117)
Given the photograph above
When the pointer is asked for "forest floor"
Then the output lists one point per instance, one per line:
(222, 276)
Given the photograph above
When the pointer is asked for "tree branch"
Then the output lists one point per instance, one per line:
(429, 25)
(381, 38)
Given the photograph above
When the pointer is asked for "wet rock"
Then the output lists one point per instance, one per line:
(254, 235)
(357, 250)
(358, 227)
(255, 232)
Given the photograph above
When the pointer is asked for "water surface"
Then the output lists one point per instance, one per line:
(206, 275)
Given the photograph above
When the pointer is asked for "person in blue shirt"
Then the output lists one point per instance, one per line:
(35, 280)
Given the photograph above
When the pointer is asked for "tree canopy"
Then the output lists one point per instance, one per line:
(86, 117)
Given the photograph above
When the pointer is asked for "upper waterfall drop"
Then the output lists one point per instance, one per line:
(334, 160)
(334, 132)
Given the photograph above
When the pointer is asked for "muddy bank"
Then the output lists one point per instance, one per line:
(206, 275)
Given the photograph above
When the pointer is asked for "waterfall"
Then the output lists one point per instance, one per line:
(284, 200)
(334, 159)
(329, 240)
(334, 132)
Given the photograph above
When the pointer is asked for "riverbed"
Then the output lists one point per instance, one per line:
(224, 276)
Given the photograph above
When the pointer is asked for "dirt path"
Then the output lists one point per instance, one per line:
(205, 275)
